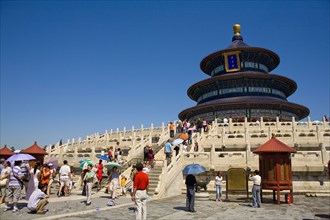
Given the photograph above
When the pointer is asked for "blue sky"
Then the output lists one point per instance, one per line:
(74, 68)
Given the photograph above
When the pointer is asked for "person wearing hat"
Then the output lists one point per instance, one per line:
(51, 178)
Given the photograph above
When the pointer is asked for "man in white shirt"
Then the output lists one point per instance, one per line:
(256, 189)
(64, 175)
(37, 202)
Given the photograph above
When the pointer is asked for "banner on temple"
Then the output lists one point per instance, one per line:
(232, 61)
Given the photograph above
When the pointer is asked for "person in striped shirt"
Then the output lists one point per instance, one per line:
(15, 185)
(37, 202)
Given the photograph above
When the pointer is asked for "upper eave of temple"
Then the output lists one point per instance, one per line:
(261, 55)
(246, 53)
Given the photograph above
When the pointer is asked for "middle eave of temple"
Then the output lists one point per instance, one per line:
(285, 84)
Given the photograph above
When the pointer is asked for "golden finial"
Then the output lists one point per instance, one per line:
(237, 29)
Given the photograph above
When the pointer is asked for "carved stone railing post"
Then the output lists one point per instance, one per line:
(106, 137)
(60, 155)
(324, 154)
(119, 137)
(246, 134)
(223, 134)
(262, 124)
(213, 155)
(173, 159)
(230, 125)
(150, 138)
(49, 149)
(141, 131)
(309, 123)
(318, 134)
(117, 133)
(215, 123)
(324, 122)
(277, 123)
(248, 154)
(97, 137)
(133, 139)
(163, 127)
(93, 153)
(75, 153)
(152, 128)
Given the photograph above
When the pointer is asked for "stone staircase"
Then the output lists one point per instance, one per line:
(154, 172)
(154, 178)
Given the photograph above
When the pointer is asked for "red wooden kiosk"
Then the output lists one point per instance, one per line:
(35, 151)
(275, 167)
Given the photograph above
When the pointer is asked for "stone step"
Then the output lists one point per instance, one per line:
(153, 177)
(153, 182)
(155, 172)
(153, 185)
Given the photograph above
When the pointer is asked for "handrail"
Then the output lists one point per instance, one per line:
(168, 174)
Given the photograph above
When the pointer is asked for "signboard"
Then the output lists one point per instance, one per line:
(232, 61)
(237, 179)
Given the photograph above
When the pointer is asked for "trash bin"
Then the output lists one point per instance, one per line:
(288, 199)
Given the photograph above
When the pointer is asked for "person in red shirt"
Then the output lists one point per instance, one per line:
(139, 195)
(99, 175)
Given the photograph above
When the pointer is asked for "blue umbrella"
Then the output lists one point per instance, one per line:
(194, 169)
(103, 157)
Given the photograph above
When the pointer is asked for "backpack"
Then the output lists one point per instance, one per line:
(26, 177)
(53, 174)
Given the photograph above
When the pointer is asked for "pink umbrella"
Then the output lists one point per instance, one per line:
(53, 162)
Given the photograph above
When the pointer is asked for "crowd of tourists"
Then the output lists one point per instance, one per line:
(35, 183)
(18, 179)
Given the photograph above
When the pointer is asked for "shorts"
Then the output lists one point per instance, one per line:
(13, 193)
(65, 180)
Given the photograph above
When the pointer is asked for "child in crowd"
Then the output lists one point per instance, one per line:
(123, 185)
(71, 182)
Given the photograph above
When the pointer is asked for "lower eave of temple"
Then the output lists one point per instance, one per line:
(246, 103)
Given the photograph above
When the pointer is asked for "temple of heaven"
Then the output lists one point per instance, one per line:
(241, 86)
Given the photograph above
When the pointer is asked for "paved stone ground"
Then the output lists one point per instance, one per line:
(74, 208)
